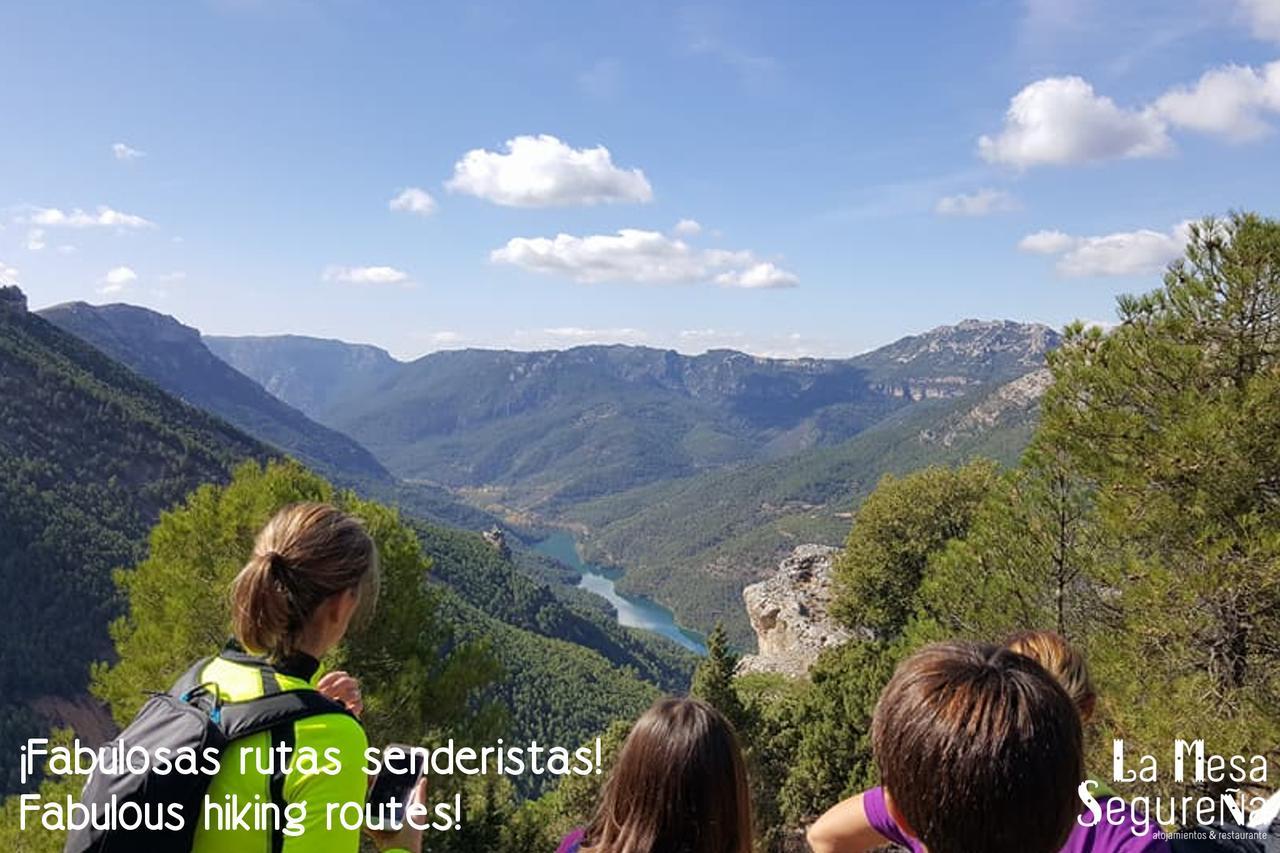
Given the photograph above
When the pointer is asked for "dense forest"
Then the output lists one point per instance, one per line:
(89, 456)
(92, 454)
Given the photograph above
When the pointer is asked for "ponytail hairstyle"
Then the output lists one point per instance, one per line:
(306, 553)
(679, 783)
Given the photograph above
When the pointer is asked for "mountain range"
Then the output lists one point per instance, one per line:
(692, 472)
(537, 432)
(91, 452)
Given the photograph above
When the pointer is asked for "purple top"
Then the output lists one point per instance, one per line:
(1124, 836)
(572, 842)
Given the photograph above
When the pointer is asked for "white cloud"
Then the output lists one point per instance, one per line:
(413, 200)
(8, 275)
(117, 279)
(762, 275)
(580, 335)
(35, 239)
(688, 227)
(123, 152)
(1060, 120)
(1263, 17)
(542, 171)
(780, 344)
(171, 277)
(1047, 242)
(67, 249)
(1229, 101)
(1126, 253)
(634, 255)
(366, 275)
(104, 217)
(981, 203)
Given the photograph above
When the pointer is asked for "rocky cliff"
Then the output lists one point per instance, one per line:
(790, 613)
(11, 296)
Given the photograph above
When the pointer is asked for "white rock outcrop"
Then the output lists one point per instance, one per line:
(790, 613)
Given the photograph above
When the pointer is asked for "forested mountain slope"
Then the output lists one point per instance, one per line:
(174, 357)
(544, 430)
(92, 453)
(695, 543)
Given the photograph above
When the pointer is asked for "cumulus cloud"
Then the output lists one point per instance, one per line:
(117, 279)
(762, 275)
(1061, 120)
(1230, 101)
(104, 217)
(366, 275)
(123, 152)
(1263, 17)
(542, 171)
(35, 239)
(413, 200)
(8, 275)
(1047, 242)
(577, 334)
(688, 227)
(981, 203)
(1141, 252)
(635, 255)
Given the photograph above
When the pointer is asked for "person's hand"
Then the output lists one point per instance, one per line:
(342, 687)
(406, 838)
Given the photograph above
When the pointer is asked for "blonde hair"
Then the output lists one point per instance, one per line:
(306, 553)
(1061, 660)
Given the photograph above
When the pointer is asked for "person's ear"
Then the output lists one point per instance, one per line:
(339, 607)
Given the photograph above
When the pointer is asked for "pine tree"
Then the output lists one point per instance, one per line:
(713, 680)
(899, 526)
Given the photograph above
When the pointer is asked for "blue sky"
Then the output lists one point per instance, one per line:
(844, 172)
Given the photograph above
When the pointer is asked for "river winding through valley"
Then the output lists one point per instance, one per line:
(633, 611)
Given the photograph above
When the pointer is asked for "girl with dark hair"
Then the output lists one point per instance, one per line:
(679, 784)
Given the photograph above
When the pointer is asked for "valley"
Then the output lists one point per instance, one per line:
(694, 474)
(632, 612)
(641, 490)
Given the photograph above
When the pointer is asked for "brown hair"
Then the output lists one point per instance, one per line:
(679, 784)
(979, 749)
(304, 554)
(1061, 660)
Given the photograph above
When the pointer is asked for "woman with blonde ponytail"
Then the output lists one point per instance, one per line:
(313, 569)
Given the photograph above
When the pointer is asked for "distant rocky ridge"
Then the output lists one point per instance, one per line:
(790, 613)
(1012, 401)
(542, 432)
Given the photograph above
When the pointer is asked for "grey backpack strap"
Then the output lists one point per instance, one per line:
(241, 719)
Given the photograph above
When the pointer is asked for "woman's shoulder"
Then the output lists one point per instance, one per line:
(572, 842)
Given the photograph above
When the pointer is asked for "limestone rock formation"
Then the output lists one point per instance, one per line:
(790, 613)
(497, 537)
(12, 297)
